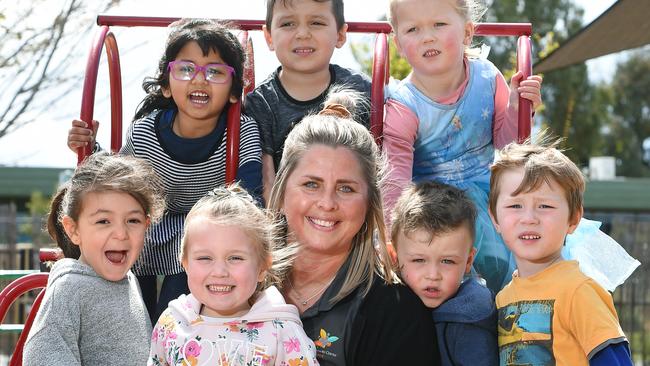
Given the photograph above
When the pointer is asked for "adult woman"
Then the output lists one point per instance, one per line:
(327, 194)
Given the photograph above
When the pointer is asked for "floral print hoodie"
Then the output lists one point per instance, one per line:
(269, 334)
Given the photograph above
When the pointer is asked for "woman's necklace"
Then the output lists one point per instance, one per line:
(307, 300)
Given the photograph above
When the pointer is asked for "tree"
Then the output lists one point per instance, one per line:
(38, 207)
(363, 53)
(573, 108)
(39, 42)
(631, 107)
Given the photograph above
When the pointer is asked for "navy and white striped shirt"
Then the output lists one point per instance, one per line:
(186, 182)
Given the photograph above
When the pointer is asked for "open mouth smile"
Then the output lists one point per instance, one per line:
(116, 256)
(220, 288)
(304, 50)
(199, 97)
(431, 53)
(322, 223)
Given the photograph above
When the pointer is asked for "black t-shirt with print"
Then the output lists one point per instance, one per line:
(276, 112)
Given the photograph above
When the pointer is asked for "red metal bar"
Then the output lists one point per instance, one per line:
(493, 29)
(49, 254)
(524, 65)
(503, 29)
(18, 287)
(17, 356)
(115, 76)
(379, 79)
(90, 81)
(233, 127)
(9, 295)
(103, 37)
(244, 24)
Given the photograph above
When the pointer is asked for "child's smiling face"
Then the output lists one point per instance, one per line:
(223, 267)
(109, 232)
(199, 100)
(433, 266)
(304, 34)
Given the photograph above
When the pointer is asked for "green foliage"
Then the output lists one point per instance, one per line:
(38, 207)
(631, 106)
(363, 53)
(569, 109)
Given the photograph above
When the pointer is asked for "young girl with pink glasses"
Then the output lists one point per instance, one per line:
(180, 127)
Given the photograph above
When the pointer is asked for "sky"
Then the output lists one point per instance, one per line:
(43, 142)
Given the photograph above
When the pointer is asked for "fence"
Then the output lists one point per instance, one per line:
(632, 230)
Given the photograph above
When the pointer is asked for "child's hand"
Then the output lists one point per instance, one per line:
(80, 135)
(528, 89)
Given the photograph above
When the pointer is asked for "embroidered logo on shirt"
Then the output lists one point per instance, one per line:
(325, 339)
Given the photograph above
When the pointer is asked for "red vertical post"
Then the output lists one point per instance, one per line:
(379, 80)
(90, 82)
(524, 65)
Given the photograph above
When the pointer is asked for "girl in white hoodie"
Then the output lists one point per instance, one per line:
(233, 315)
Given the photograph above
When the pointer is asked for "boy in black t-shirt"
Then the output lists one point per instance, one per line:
(303, 34)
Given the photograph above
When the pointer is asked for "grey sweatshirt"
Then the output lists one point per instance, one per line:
(87, 320)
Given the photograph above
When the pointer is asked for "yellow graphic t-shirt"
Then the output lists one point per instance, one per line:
(556, 317)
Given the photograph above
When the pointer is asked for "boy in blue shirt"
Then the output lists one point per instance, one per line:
(433, 232)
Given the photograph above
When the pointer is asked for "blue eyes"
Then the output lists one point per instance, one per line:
(233, 258)
(315, 185)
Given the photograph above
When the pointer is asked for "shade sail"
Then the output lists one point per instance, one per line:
(623, 26)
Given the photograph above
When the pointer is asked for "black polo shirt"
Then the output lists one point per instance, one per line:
(390, 326)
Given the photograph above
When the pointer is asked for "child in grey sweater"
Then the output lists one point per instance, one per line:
(92, 312)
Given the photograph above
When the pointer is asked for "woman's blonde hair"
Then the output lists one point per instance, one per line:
(334, 128)
(233, 206)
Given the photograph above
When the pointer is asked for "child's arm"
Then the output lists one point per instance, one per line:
(506, 103)
(249, 172)
(268, 176)
(79, 135)
(400, 130)
(613, 355)
(294, 347)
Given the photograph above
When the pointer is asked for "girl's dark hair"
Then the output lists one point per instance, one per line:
(102, 172)
(210, 35)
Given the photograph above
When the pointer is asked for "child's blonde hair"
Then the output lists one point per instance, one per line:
(233, 206)
(541, 163)
(470, 10)
(104, 172)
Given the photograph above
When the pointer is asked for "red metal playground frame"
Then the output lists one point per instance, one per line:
(380, 73)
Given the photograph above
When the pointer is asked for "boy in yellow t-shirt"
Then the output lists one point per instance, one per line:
(550, 313)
